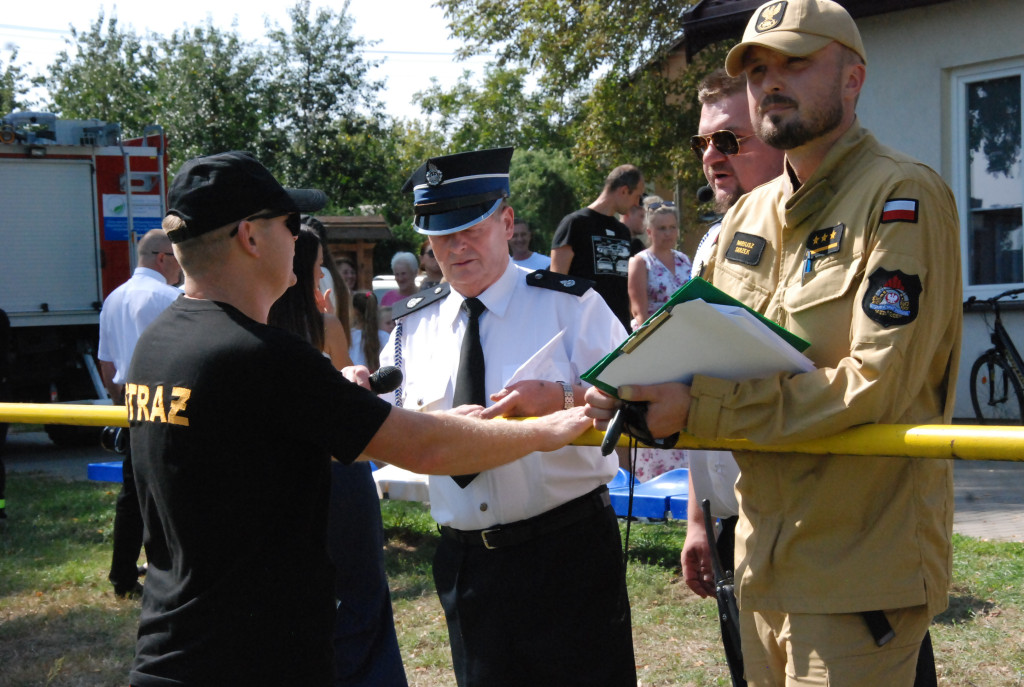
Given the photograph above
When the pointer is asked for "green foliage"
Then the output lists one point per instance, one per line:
(545, 187)
(106, 73)
(602, 72)
(502, 112)
(566, 42)
(14, 84)
(303, 102)
(322, 109)
(207, 86)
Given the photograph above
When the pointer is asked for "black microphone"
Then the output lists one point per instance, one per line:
(705, 194)
(385, 380)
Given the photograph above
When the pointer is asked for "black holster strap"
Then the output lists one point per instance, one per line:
(516, 533)
(879, 626)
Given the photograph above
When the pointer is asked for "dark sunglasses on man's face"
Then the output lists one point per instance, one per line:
(724, 142)
(292, 220)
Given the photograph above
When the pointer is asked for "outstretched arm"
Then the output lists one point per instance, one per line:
(448, 444)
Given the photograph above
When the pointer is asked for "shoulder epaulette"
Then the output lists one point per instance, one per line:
(554, 281)
(420, 300)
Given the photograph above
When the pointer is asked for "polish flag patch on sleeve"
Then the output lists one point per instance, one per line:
(899, 210)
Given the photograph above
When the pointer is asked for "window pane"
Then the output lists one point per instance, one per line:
(995, 181)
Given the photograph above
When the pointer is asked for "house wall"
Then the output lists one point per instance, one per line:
(907, 103)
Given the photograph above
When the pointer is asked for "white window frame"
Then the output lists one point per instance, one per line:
(961, 172)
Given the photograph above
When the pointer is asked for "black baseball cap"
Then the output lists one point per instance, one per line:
(213, 191)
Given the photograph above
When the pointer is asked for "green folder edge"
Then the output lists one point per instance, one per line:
(691, 290)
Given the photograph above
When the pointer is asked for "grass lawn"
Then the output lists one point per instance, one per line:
(61, 625)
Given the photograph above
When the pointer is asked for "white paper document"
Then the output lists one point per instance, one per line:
(720, 341)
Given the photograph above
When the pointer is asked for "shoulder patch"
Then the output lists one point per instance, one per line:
(899, 210)
(420, 300)
(746, 248)
(554, 281)
(892, 298)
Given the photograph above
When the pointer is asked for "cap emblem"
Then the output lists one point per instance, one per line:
(771, 16)
(434, 175)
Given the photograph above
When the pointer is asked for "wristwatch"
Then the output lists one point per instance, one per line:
(569, 395)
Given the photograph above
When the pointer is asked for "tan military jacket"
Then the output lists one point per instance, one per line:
(863, 261)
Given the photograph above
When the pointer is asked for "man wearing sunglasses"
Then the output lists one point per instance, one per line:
(233, 425)
(842, 560)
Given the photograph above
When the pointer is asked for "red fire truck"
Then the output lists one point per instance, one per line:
(74, 197)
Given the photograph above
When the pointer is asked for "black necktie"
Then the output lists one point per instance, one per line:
(469, 381)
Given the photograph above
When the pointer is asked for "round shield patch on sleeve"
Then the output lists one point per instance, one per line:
(892, 298)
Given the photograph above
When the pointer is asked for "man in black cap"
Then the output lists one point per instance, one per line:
(233, 423)
(529, 568)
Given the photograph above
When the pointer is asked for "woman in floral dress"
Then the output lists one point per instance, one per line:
(654, 275)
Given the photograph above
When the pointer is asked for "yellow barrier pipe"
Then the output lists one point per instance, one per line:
(964, 442)
(64, 414)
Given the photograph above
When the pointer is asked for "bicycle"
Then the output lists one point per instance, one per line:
(997, 382)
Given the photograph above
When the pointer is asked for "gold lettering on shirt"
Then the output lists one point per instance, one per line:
(143, 403)
(157, 413)
(179, 398)
(129, 398)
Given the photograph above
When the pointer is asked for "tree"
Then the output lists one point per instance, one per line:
(106, 75)
(500, 113)
(14, 85)
(567, 42)
(606, 63)
(322, 105)
(208, 92)
(545, 187)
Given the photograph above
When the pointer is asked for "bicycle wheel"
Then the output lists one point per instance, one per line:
(995, 391)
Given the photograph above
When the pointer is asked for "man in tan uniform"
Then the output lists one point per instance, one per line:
(853, 248)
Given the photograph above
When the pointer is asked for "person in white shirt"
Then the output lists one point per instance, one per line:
(127, 311)
(519, 245)
(529, 567)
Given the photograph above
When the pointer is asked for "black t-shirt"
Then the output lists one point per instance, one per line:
(233, 425)
(601, 250)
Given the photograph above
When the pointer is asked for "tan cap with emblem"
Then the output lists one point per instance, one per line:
(797, 28)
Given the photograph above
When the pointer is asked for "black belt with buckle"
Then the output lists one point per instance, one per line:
(513, 534)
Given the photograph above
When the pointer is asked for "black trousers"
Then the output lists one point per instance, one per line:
(366, 650)
(124, 570)
(551, 611)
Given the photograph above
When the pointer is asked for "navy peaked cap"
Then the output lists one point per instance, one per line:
(455, 192)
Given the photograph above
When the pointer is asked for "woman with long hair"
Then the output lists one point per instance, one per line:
(365, 643)
(367, 339)
(299, 310)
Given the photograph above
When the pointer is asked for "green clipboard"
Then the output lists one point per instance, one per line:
(694, 289)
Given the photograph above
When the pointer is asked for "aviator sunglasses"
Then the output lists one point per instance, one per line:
(724, 141)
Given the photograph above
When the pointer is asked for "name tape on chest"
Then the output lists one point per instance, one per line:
(899, 210)
(420, 300)
(554, 281)
(746, 248)
(892, 298)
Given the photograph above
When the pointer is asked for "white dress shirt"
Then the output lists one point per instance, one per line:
(520, 321)
(128, 310)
